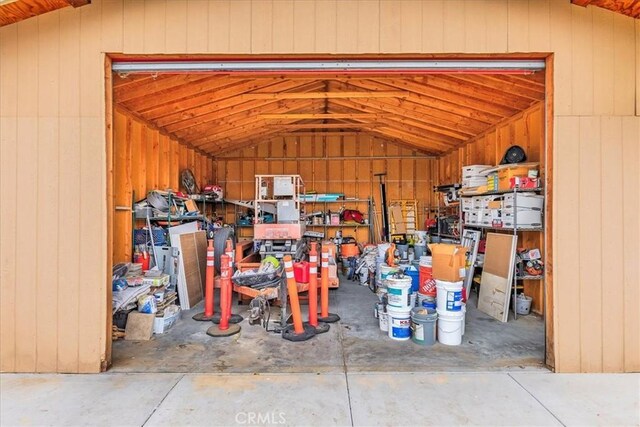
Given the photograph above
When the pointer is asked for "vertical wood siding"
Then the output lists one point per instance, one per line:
(53, 160)
(146, 160)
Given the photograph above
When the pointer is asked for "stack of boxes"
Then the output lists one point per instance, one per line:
(529, 210)
(499, 211)
(473, 176)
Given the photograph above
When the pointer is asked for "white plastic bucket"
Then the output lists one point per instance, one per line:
(386, 271)
(449, 296)
(399, 323)
(450, 326)
(413, 298)
(383, 321)
(523, 304)
(425, 260)
(399, 292)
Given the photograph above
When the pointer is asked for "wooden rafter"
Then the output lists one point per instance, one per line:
(430, 113)
(200, 109)
(302, 116)
(325, 95)
(625, 7)
(245, 117)
(25, 9)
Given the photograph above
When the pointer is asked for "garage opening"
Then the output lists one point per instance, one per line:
(402, 168)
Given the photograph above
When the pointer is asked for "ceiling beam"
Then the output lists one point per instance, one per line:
(200, 108)
(326, 95)
(324, 125)
(303, 116)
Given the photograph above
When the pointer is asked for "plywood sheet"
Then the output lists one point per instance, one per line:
(192, 267)
(497, 275)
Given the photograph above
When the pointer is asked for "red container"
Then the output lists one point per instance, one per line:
(301, 271)
(427, 284)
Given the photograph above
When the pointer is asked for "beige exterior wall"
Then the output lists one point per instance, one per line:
(53, 160)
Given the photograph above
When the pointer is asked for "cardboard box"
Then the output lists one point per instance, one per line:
(505, 175)
(164, 323)
(449, 261)
(156, 282)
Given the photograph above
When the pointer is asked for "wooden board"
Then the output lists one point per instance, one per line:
(497, 275)
(192, 265)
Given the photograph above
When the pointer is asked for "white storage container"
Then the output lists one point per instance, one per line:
(523, 201)
(472, 218)
(525, 218)
(474, 170)
(478, 202)
(467, 204)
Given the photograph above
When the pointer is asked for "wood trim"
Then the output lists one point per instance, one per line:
(105, 361)
(549, 306)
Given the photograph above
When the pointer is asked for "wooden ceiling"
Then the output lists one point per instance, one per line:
(626, 7)
(14, 11)
(431, 113)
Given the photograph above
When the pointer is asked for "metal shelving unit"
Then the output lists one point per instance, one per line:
(513, 230)
(344, 202)
(457, 207)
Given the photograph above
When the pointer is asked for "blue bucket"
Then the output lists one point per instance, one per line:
(415, 278)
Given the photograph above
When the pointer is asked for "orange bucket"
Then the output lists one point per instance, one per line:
(427, 284)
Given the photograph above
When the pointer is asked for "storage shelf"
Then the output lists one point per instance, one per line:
(447, 236)
(512, 190)
(336, 201)
(175, 218)
(504, 228)
(338, 226)
(530, 277)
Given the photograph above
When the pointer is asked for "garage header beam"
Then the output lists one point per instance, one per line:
(414, 66)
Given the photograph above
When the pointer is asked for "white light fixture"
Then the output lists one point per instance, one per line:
(330, 66)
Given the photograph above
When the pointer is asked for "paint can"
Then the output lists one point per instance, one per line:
(399, 291)
(423, 325)
(383, 320)
(426, 301)
(399, 323)
(450, 325)
(427, 286)
(449, 296)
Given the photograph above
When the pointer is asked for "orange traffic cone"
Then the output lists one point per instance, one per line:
(298, 331)
(225, 328)
(313, 291)
(325, 316)
(228, 252)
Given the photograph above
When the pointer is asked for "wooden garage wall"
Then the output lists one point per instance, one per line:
(144, 160)
(332, 164)
(53, 160)
(525, 129)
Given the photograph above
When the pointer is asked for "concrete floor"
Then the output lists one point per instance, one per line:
(355, 344)
(346, 399)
